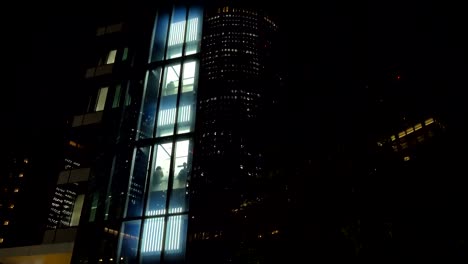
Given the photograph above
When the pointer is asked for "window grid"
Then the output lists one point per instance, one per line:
(163, 231)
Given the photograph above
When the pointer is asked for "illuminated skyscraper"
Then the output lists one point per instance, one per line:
(232, 202)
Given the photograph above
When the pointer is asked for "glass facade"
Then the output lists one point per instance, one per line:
(155, 217)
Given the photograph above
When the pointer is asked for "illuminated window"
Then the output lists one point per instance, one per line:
(11, 206)
(167, 116)
(6, 222)
(16, 190)
(101, 99)
(171, 82)
(152, 241)
(406, 158)
(1, 239)
(26, 161)
(429, 121)
(176, 33)
(393, 137)
(77, 207)
(409, 130)
(417, 126)
(21, 175)
(401, 134)
(188, 76)
(111, 57)
(176, 36)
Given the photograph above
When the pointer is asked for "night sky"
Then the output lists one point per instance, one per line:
(347, 47)
(44, 44)
(346, 43)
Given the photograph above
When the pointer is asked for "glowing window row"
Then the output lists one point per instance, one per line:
(410, 130)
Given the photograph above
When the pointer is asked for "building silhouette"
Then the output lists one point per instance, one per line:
(16, 169)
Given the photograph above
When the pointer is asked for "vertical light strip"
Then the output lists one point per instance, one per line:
(177, 235)
(177, 33)
(192, 29)
(181, 114)
(174, 232)
(182, 31)
(167, 117)
(153, 235)
(189, 30)
(158, 234)
(170, 233)
(172, 116)
(145, 239)
(159, 121)
(184, 112)
(161, 228)
(189, 114)
(173, 227)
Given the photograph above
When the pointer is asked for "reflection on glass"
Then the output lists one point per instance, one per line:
(181, 169)
(148, 112)
(186, 115)
(116, 101)
(193, 34)
(115, 199)
(137, 183)
(128, 241)
(159, 36)
(176, 33)
(167, 113)
(159, 179)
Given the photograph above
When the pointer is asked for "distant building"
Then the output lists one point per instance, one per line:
(13, 176)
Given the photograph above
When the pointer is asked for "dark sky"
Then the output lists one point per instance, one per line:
(359, 41)
(332, 49)
(330, 43)
(43, 47)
